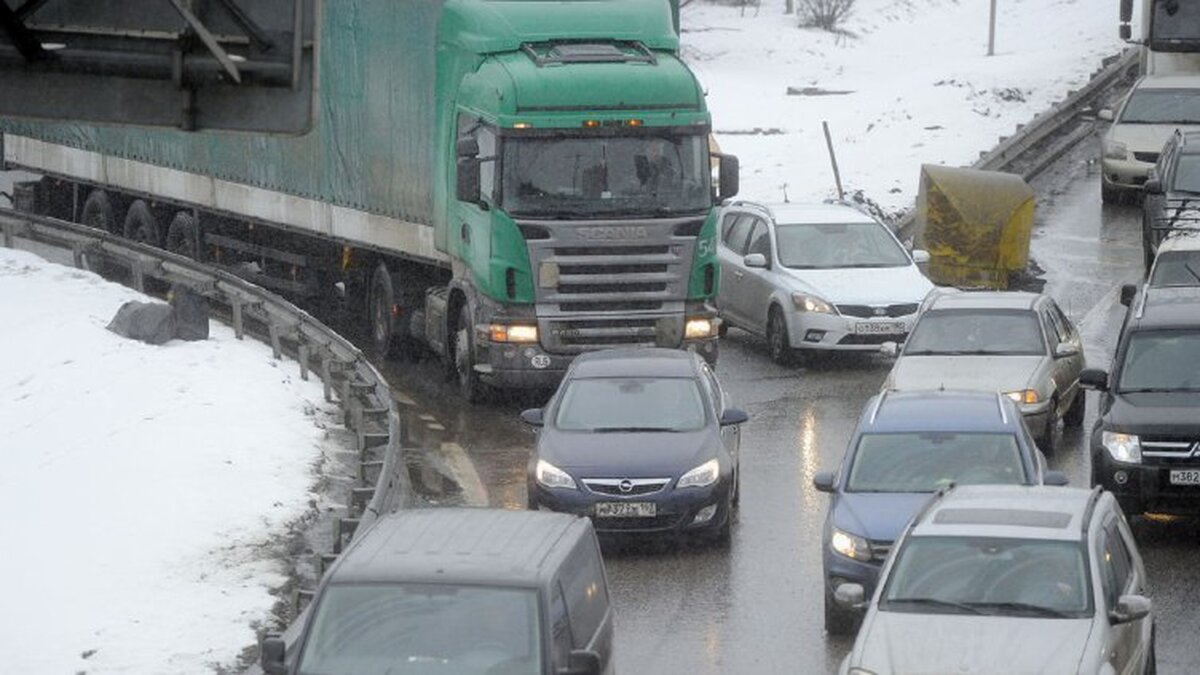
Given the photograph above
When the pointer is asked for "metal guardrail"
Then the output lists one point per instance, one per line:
(369, 410)
(1042, 127)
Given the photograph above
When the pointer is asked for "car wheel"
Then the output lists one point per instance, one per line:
(469, 385)
(1151, 667)
(1109, 195)
(1074, 416)
(838, 620)
(723, 329)
(778, 343)
(724, 536)
(1048, 441)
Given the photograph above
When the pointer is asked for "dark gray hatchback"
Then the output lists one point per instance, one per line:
(458, 591)
(641, 441)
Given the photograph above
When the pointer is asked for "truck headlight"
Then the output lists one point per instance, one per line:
(1122, 447)
(551, 476)
(811, 303)
(1026, 396)
(850, 545)
(501, 332)
(1116, 150)
(704, 475)
(696, 329)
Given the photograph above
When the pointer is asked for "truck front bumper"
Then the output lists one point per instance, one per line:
(530, 366)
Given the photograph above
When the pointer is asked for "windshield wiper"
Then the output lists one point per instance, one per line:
(934, 602)
(609, 430)
(1024, 607)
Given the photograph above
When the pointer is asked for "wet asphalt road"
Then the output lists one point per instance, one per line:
(756, 607)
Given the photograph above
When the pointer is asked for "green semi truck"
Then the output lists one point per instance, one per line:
(507, 182)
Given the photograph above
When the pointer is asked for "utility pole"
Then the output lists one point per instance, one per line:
(837, 175)
(992, 30)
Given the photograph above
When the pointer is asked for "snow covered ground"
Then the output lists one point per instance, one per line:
(146, 489)
(915, 85)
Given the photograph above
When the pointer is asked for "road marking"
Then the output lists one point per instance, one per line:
(426, 417)
(464, 474)
(435, 426)
(403, 399)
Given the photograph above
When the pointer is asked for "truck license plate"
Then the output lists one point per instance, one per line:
(625, 510)
(1185, 477)
(879, 328)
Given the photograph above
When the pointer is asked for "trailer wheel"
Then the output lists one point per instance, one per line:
(464, 359)
(183, 237)
(141, 225)
(389, 334)
(98, 212)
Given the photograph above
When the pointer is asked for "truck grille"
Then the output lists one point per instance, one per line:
(611, 283)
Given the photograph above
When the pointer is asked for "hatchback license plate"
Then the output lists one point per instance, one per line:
(1185, 477)
(879, 327)
(625, 510)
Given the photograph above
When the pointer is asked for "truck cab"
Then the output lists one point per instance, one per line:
(1168, 32)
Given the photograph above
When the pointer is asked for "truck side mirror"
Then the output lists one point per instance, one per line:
(271, 655)
(728, 177)
(1125, 32)
(468, 180)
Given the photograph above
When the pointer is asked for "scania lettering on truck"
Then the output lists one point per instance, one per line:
(510, 183)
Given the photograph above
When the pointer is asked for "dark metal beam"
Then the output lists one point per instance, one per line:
(29, 7)
(207, 38)
(19, 35)
(253, 30)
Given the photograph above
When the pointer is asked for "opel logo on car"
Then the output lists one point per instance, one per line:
(625, 486)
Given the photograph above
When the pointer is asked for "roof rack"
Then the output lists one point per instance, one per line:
(1093, 499)
(746, 203)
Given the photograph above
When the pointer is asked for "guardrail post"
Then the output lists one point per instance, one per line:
(8, 236)
(273, 331)
(239, 328)
(302, 357)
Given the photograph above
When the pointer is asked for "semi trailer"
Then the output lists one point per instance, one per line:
(504, 183)
(1168, 34)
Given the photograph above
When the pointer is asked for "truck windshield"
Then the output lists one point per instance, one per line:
(402, 628)
(1162, 106)
(597, 176)
(1161, 361)
(1174, 22)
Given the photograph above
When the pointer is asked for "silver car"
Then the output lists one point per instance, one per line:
(1019, 344)
(813, 277)
(1154, 108)
(1009, 579)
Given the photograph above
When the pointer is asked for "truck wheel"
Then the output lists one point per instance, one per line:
(183, 236)
(141, 225)
(98, 212)
(464, 359)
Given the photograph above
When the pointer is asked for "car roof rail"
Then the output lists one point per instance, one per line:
(1000, 405)
(878, 405)
(937, 497)
(1093, 499)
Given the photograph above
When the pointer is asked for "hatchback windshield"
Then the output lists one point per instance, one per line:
(1176, 268)
(605, 175)
(1162, 106)
(402, 628)
(924, 462)
(988, 575)
(631, 404)
(830, 245)
(1161, 361)
(976, 331)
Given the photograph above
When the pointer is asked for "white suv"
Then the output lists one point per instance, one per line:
(1008, 579)
(822, 276)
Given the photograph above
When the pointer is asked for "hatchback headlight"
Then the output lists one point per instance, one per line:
(850, 545)
(1116, 150)
(702, 476)
(551, 476)
(1122, 447)
(811, 303)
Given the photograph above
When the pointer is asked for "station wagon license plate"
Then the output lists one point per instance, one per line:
(1185, 477)
(879, 328)
(626, 510)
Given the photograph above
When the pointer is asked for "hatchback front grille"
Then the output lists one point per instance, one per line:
(873, 311)
(626, 487)
(880, 550)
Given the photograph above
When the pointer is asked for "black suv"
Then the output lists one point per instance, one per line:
(1145, 446)
(1172, 192)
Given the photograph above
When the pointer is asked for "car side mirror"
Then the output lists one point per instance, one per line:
(1128, 292)
(920, 256)
(755, 260)
(271, 655)
(851, 596)
(1130, 608)
(1105, 114)
(727, 169)
(1055, 478)
(533, 417)
(891, 349)
(582, 662)
(467, 188)
(1153, 187)
(1094, 378)
(733, 416)
(824, 481)
(1065, 349)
